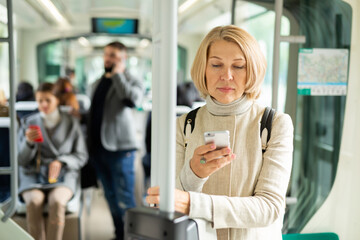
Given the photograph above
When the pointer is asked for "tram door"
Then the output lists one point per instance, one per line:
(317, 111)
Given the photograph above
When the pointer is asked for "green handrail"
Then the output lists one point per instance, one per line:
(311, 236)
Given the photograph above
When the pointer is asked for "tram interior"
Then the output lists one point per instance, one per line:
(49, 45)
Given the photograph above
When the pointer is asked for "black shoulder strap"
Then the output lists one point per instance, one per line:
(190, 118)
(266, 122)
(269, 123)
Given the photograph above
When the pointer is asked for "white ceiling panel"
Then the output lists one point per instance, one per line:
(25, 15)
(79, 13)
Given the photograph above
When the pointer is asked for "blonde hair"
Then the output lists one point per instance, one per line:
(255, 60)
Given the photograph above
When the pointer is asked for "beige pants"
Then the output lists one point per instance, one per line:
(57, 199)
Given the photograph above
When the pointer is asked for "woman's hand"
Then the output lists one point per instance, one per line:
(54, 170)
(207, 160)
(182, 199)
(31, 134)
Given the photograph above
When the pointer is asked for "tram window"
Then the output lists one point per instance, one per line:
(49, 57)
(3, 22)
(260, 22)
(4, 61)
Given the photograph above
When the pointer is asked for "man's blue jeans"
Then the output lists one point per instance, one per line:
(116, 173)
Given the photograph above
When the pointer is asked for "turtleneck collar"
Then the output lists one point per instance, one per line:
(238, 106)
(51, 119)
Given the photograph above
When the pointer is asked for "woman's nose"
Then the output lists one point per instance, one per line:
(227, 74)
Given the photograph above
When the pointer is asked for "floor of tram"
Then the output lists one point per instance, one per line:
(98, 223)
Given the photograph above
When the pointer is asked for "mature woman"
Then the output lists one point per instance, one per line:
(239, 189)
(51, 152)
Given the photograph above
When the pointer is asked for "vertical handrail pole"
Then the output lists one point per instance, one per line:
(156, 68)
(233, 5)
(13, 151)
(276, 56)
(164, 100)
(167, 131)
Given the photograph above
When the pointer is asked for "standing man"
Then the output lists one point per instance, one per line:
(111, 132)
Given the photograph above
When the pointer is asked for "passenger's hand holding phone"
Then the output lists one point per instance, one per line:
(212, 156)
(33, 134)
(119, 66)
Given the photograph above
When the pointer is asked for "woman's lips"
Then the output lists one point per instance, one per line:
(226, 89)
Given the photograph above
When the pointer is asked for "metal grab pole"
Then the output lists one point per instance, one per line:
(155, 148)
(13, 151)
(164, 101)
(276, 57)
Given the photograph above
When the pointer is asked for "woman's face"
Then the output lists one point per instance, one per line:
(225, 71)
(47, 102)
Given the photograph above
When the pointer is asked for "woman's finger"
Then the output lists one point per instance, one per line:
(152, 199)
(205, 149)
(153, 190)
(31, 134)
(51, 172)
(54, 169)
(217, 154)
(221, 162)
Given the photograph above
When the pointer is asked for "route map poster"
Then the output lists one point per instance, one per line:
(322, 71)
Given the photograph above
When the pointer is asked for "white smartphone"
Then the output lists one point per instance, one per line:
(220, 138)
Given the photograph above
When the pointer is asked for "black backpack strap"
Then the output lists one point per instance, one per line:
(264, 119)
(190, 119)
(266, 122)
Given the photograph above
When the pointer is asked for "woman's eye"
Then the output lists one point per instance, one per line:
(215, 65)
(239, 67)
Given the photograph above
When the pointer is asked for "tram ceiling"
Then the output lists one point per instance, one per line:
(76, 15)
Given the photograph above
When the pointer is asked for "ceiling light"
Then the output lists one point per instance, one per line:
(144, 43)
(53, 10)
(83, 41)
(186, 5)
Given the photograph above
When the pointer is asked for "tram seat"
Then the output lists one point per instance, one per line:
(5, 158)
(84, 102)
(25, 108)
(311, 236)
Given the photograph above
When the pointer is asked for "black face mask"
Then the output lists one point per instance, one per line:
(109, 69)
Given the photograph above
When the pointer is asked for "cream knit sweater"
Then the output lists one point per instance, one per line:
(244, 200)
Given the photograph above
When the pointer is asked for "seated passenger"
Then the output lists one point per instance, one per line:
(239, 189)
(51, 152)
(65, 92)
(25, 92)
(3, 100)
(4, 110)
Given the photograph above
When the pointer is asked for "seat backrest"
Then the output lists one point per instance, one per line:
(5, 157)
(84, 102)
(25, 108)
(311, 236)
